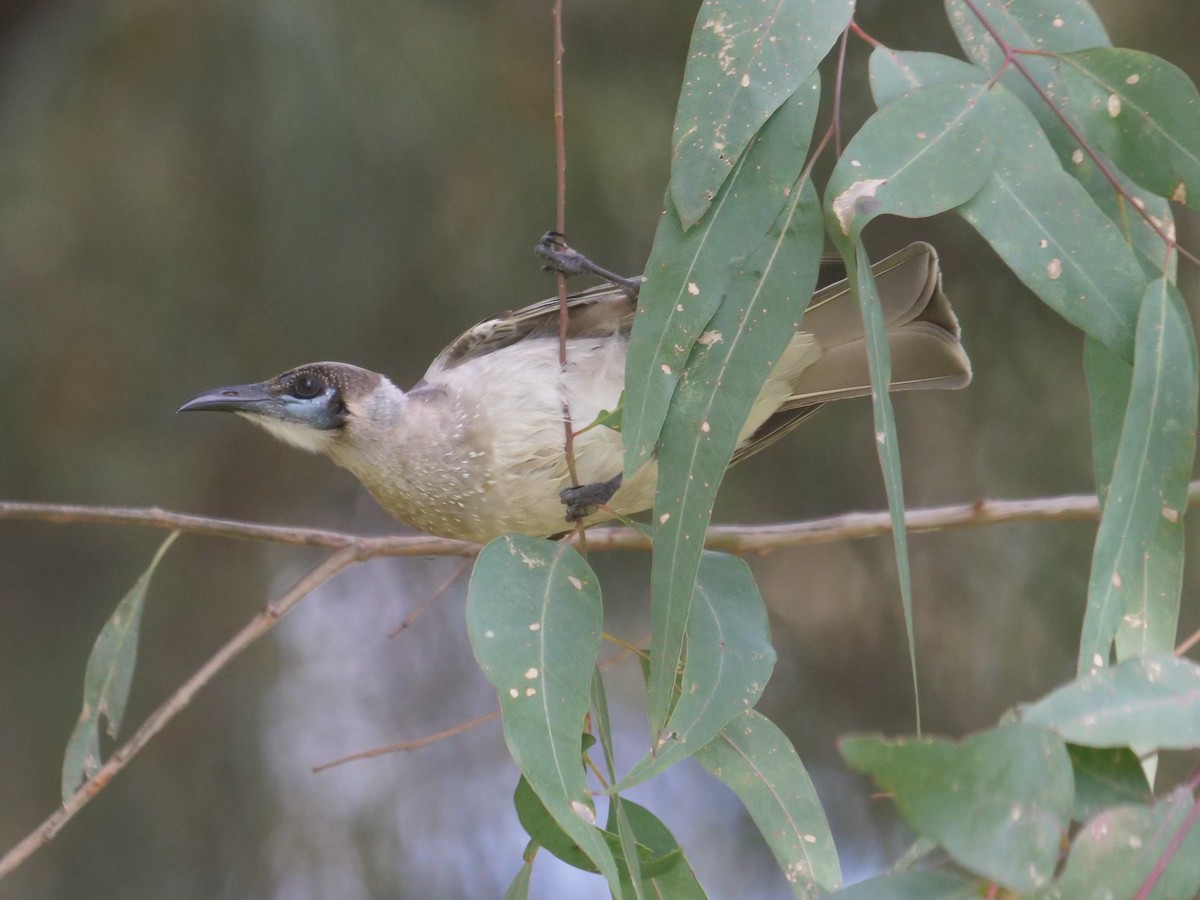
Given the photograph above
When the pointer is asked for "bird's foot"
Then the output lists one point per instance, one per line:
(558, 256)
(582, 499)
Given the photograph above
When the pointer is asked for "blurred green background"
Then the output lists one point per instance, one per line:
(197, 194)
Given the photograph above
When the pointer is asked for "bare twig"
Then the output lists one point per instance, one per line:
(251, 632)
(560, 225)
(1164, 859)
(433, 598)
(627, 650)
(744, 539)
(404, 746)
(153, 517)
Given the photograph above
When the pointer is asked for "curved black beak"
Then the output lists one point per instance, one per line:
(238, 398)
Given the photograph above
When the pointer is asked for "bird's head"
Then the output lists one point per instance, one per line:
(311, 407)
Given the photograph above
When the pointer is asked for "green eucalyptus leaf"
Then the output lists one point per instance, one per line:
(728, 662)
(688, 273)
(534, 618)
(928, 151)
(923, 885)
(999, 801)
(1040, 220)
(763, 298)
(1137, 565)
(1106, 776)
(758, 763)
(1115, 852)
(108, 680)
(1153, 701)
(746, 59)
(1143, 113)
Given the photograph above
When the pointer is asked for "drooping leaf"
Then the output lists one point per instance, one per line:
(928, 151)
(999, 801)
(1109, 379)
(1063, 27)
(763, 300)
(894, 73)
(1142, 112)
(534, 617)
(688, 274)
(747, 57)
(108, 679)
(729, 659)
(628, 845)
(923, 885)
(657, 850)
(519, 888)
(1040, 220)
(1138, 559)
(1154, 701)
(758, 763)
(1104, 777)
(1042, 25)
(1117, 850)
(603, 723)
(677, 883)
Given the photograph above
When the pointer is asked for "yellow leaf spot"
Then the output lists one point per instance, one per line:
(584, 812)
(846, 203)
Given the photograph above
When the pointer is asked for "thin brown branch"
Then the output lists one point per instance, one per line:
(746, 539)
(560, 225)
(433, 598)
(417, 744)
(153, 517)
(404, 746)
(1164, 859)
(251, 632)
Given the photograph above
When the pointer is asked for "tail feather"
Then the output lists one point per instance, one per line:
(923, 337)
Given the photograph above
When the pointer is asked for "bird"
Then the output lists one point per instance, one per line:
(475, 449)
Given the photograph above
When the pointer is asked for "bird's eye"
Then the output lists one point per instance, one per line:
(305, 387)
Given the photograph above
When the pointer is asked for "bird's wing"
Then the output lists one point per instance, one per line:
(599, 311)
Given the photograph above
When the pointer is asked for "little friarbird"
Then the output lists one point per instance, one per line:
(475, 448)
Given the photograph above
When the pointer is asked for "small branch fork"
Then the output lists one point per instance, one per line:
(1012, 57)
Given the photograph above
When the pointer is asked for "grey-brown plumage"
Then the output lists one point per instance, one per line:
(475, 448)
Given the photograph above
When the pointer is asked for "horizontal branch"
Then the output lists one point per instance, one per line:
(744, 539)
